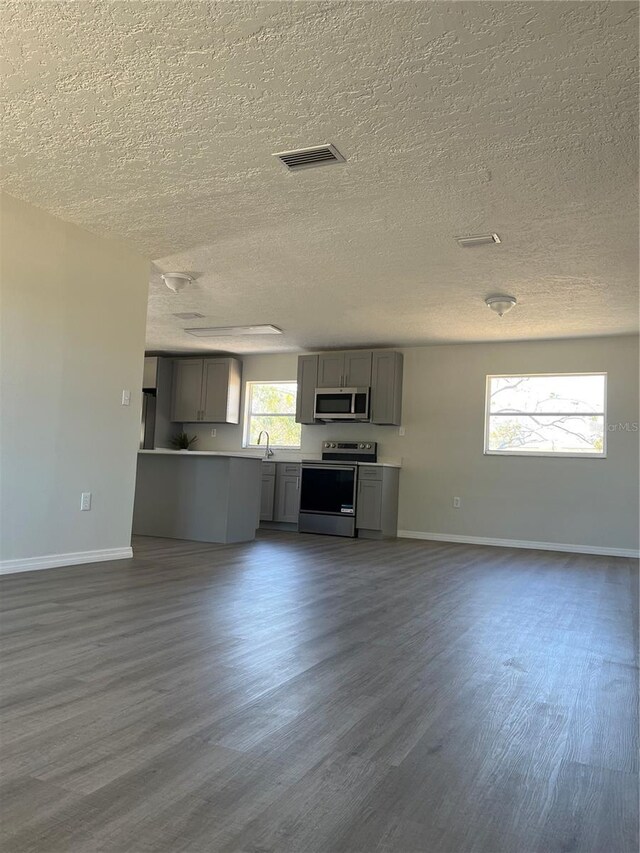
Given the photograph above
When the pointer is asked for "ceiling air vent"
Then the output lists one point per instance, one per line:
(305, 158)
(477, 240)
(188, 315)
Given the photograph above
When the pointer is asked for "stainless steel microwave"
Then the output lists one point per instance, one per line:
(341, 404)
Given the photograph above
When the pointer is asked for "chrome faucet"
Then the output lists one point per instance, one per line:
(267, 452)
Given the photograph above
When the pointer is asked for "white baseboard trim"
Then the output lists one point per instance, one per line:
(51, 561)
(519, 543)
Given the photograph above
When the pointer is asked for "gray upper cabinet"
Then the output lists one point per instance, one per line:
(150, 372)
(380, 370)
(357, 370)
(307, 378)
(206, 390)
(221, 391)
(344, 369)
(386, 387)
(187, 390)
(330, 370)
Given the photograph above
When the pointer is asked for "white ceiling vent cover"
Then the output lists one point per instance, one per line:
(306, 158)
(477, 240)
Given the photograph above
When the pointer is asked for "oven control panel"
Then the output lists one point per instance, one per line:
(350, 445)
(351, 451)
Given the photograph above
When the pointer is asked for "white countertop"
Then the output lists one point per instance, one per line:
(229, 454)
(383, 464)
(277, 456)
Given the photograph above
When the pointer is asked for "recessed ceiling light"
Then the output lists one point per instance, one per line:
(477, 240)
(233, 331)
(188, 315)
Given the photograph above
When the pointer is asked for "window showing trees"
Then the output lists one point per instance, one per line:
(546, 415)
(272, 406)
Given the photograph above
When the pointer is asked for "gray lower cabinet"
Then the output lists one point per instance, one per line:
(369, 513)
(280, 497)
(287, 492)
(206, 390)
(377, 502)
(268, 492)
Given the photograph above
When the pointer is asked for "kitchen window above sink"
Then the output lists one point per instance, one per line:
(271, 406)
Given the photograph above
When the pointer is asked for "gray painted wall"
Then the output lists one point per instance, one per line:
(584, 502)
(72, 338)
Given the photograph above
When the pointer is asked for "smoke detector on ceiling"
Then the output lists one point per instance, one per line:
(306, 158)
(176, 280)
(477, 240)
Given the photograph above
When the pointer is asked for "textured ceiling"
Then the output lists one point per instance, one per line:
(156, 122)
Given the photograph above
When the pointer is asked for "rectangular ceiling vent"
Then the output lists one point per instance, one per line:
(306, 158)
(478, 240)
(233, 331)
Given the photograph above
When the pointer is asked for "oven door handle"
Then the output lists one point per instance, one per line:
(327, 467)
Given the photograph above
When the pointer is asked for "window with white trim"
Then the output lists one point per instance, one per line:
(272, 406)
(546, 415)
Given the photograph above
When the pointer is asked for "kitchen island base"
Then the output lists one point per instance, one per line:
(205, 497)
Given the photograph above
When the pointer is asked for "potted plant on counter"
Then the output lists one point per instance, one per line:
(181, 441)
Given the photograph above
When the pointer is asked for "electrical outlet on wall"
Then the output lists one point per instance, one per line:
(126, 397)
(213, 433)
(401, 431)
(457, 503)
(85, 501)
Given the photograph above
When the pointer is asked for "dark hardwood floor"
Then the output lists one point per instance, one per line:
(304, 693)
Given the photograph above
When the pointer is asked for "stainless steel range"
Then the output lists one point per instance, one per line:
(328, 487)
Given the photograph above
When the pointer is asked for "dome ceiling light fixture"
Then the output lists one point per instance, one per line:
(501, 304)
(176, 280)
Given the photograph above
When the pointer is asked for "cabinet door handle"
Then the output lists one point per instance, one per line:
(297, 483)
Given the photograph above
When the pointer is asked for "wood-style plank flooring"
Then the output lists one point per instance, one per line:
(305, 693)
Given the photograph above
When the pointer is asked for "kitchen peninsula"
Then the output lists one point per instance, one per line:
(202, 496)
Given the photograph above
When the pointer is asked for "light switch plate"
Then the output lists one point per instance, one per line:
(126, 397)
